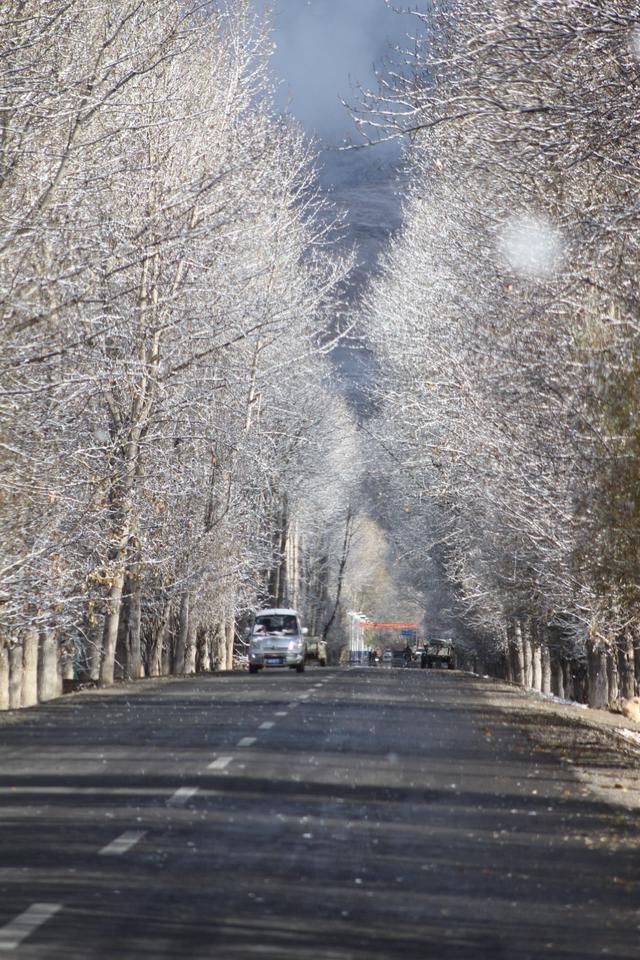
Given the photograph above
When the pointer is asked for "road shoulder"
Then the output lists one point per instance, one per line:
(592, 744)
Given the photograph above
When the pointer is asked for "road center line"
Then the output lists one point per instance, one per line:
(18, 929)
(281, 713)
(181, 796)
(220, 763)
(266, 725)
(246, 742)
(122, 843)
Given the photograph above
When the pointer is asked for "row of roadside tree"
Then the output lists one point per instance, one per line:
(507, 324)
(171, 454)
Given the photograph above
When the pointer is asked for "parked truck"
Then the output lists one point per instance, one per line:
(438, 653)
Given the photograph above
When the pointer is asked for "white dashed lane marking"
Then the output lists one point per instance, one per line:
(181, 796)
(266, 725)
(22, 926)
(281, 713)
(220, 763)
(122, 843)
(246, 742)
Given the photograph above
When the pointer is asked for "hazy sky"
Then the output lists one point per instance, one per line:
(324, 48)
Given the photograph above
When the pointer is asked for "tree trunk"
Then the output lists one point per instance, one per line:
(218, 642)
(157, 641)
(129, 649)
(120, 659)
(508, 663)
(527, 654)
(168, 645)
(4, 676)
(29, 695)
(110, 637)
(627, 666)
(203, 663)
(154, 665)
(134, 646)
(230, 635)
(211, 646)
(15, 676)
(635, 632)
(182, 638)
(546, 669)
(66, 664)
(283, 577)
(613, 678)
(190, 649)
(95, 633)
(536, 666)
(344, 557)
(293, 565)
(518, 648)
(558, 680)
(598, 678)
(49, 676)
(568, 683)
(278, 577)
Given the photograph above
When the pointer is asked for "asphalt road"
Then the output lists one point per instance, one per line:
(334, 815)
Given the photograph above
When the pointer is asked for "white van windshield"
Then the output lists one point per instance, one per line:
(275, 623)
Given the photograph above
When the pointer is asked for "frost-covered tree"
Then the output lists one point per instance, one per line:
(507, 320)
(166, 288)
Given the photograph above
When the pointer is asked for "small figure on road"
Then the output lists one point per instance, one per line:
(407, 655)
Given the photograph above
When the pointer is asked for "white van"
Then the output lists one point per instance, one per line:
(277, 639)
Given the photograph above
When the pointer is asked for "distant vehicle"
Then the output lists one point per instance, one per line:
(397, 658)
(387, 656)
(408, 656)
(438, 653)
(277, 639)
(317, 650)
